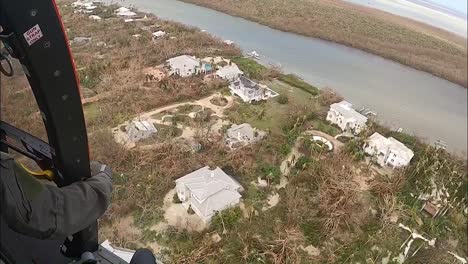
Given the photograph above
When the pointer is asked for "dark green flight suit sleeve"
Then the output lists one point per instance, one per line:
(45, 211)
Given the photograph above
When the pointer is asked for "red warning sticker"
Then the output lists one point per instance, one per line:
(33, 35)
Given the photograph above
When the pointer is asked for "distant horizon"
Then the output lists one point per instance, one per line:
(449, 15)
(451, 7)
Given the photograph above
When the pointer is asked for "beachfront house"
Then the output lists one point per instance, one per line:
(388, 151)
(249, 90)
(241, 135)
(345, 117)
(229, 73)
(138, 130)
(207, 191)
(184, 65)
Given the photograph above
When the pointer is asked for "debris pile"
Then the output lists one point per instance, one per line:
(154, 74)
(86, 7)
(158, 34)
(94, 17)
(406, 246)
(79, 41)
(124, 12)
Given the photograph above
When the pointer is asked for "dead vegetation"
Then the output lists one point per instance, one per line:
(321, 206)
(18, 106)
(337, 196)
(405, 41)
(334, 192)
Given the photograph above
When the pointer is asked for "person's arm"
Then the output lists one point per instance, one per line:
(46, 211)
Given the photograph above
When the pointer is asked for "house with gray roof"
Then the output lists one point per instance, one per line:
(243, 134)
(138, 130)
(208, 191)
(249, 90)
(345, 117)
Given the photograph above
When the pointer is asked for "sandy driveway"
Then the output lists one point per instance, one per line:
(176, 215)
(203, 102)
(188, 132)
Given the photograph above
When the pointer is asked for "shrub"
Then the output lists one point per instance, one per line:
(313, 231)
(302, 162)
(404, 138)
(251, 68)
(282, 99)
(285, 149)
(354, 148)
(325, 127)
(328, 97)
(175, 199)
(292, 135)
(226, 220)
(190, 210)
(273, 173)
(297, 82)
(311, 116)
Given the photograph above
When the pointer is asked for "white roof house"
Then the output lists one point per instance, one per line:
(184, 65)
(388, 151)
(208, 191)
(348, 119)
(138, 130)
(230, 72)
(249, 90)
(243, 134)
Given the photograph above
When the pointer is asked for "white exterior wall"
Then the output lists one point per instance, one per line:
(396, 161)
(356, 128)
(207, 218)
(336, 118)
(199, 213)
(185, 71)
(379, 155)
(385, 156)
(343, 123)
(182, 192)
(184, 66)
(247, 95)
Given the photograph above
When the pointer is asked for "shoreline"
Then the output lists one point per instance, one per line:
(461, 81)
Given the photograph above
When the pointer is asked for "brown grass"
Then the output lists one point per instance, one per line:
(405, 41)
(18, 106)
(141, 178)
(338, 194)
(323, 196)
